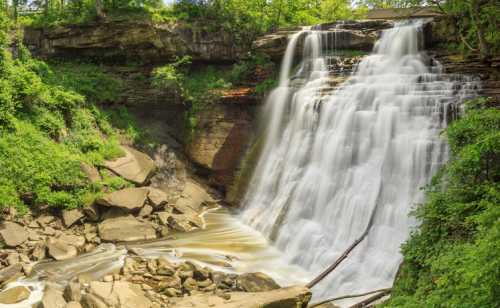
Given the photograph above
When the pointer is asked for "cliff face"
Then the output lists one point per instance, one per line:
(133, 40)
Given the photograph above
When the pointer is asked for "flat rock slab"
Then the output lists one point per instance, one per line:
(128, 198)
(135, 166)
(292, 297)
(120, 294)
(125, 229)
(193, 196)
(13, 234)
(61, 250)
(14, 295)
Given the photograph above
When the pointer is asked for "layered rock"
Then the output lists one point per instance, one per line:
(356, 35)
(133, 40)
(221, 137)
(135, 166)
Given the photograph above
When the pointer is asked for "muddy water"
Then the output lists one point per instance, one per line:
(224, 244)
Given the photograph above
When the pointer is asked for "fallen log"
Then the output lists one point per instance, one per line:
(371, 299)
(348, 296)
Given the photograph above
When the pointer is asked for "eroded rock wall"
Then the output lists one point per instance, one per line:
(133, 40)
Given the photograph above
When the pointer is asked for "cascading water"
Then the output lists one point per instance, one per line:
(333, 162)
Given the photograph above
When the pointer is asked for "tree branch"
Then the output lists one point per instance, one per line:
(349, 296)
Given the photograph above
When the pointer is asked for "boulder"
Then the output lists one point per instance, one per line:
(14, 295)
(61, 250)
(119, 294)
(129, 198)
(10, 273)
(72, 292)
(157, 197)
(92, 212)
(73, 305)
(91, 172)
(124, 229)
(192, 198)
(135, 166)
(52, 298)
(183, 223)
(292, 297)
(13, 234)
(256, 282)
(71, 216)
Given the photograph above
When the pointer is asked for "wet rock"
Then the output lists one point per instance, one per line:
(14, 295)
(164, 267)
(183, 223)
(256, 282)
(10, 273)
(73, 291)
(124, 229)
(286, 297)
(135, 166)
(157, 197)
(52, 299)
(60, 250)
(91, 172)
(71, 216)
(129, 198)
(163, 217)
(13, 234)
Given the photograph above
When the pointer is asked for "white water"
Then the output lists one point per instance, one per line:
(333, 162)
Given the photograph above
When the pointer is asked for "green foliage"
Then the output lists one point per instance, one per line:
(49, 124)
(453, 260)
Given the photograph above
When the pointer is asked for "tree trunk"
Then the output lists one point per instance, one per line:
(475, 11)
(99, 10)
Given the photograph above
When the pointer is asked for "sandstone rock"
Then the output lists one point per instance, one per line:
(52, 299)
(190, 284)
(13, 234)
(60, 250)
(163, 217)
(10, 273)
(92, 212)
(193, 196)
(256, 282)
(74, 240)
(92, 301)
(14, 295)
(134, 39)
(157, 197)
(124, 229)
(13, 258)
(135, 166)
(39, 252)
(128, 198)
(91, 172)
(71, 216)
(292, 297)
(119, 294)
(184, 223)
(72, 292)
(145, 211)
(45, 220)
(73, 305)
(170, 282)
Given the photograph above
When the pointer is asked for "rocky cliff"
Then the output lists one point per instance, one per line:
(133, 40)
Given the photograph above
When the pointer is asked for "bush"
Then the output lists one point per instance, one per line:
(453, 259)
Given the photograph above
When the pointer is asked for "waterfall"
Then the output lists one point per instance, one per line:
(335, 158)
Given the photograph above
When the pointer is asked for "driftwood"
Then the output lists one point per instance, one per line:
(371, 299)
(349, 296)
